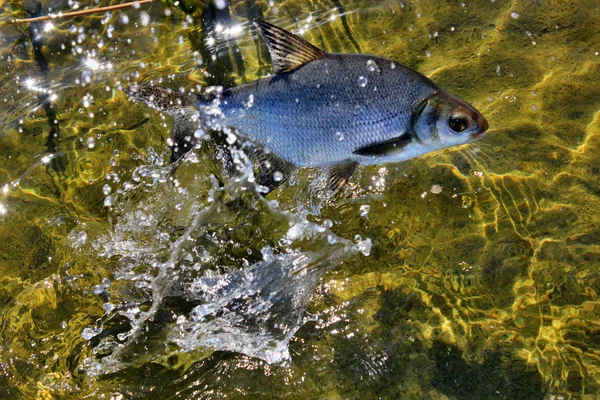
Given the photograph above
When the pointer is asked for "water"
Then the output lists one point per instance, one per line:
(471, 273)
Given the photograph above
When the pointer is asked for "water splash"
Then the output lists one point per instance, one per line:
(236, 277)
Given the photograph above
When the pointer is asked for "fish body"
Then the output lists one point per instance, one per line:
(333, 111)
(322, 112)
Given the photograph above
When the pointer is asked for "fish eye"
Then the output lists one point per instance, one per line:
(458, 122)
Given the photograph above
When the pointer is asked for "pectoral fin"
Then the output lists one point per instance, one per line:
(387, 147)
(287, 50)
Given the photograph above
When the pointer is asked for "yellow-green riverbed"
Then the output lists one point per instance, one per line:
(472, 273)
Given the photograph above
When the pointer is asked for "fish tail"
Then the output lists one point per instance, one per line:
(178, 105)
(159, 98)
(210, 97)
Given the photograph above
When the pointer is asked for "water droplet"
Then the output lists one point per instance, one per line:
(371, 66)
(340, 136)
(393, 65)
(87, 334)
(362, 81)
(90, 143)
(364, 246)
(514, 15)
(106, 189)
(534, 107)
(277, 176)
(108, 307)
(109, 201)
(144, 18)
(200, 134)
(87, 100)
(231, 138)
(364, 210)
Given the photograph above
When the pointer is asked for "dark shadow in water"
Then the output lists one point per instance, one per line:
(228, 59)
(344, 19)
(37, 39)
(264, 58)
(490, 379)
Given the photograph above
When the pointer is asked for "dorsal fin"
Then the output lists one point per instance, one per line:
(287, 50)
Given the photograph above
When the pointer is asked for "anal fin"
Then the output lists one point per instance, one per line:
(333, 179)
(339, 175)
(272, 170)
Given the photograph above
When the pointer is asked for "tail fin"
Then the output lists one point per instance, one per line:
(161, 99)
(180, 106)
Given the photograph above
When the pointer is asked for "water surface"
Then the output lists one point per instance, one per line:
(465, 274)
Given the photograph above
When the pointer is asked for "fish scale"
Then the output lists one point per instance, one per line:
(332, 111)
(297, 114)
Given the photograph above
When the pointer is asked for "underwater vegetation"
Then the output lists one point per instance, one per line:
(467, 273)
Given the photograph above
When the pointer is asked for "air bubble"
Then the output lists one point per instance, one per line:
(362, 81)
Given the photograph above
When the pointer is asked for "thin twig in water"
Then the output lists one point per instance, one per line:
(78, 13)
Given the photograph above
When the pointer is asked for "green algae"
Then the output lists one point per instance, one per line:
(487, 289)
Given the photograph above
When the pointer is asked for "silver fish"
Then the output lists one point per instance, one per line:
(338, 111)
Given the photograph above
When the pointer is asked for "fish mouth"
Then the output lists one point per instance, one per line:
(483, 127)
(483, 124)
(477, 136)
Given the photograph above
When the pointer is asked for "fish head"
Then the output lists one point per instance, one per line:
(445, 120)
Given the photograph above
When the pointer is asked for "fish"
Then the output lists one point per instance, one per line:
(327, 110)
